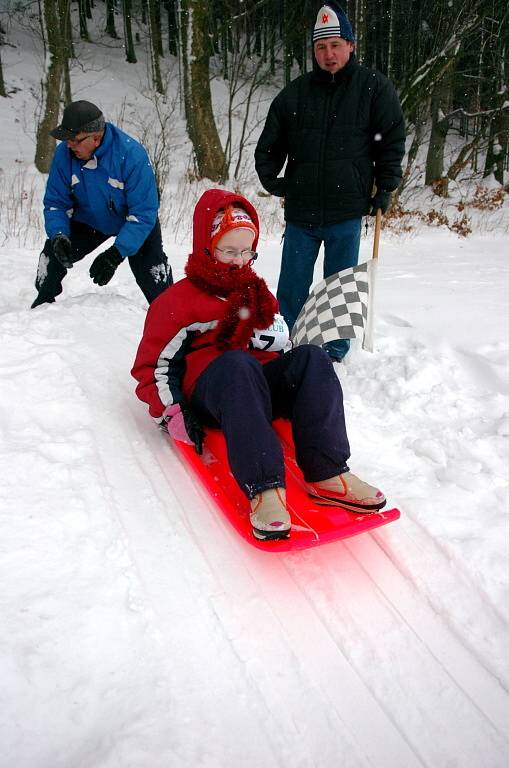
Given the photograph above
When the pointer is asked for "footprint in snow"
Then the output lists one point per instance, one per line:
(395, 320)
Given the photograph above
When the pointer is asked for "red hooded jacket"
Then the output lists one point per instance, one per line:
(178, 340)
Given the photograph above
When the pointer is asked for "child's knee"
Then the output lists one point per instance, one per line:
(311, 352)
(239, 363)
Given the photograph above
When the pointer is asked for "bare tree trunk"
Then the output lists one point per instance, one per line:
(66, 76)
(183, 30)
(503, 153)
(441, 101)
(201, 126)
(391, 47)
(224, 47)
(360, 29)
(82, 13)
(498, 142)
(67, 52)
(172, 27)
(154, 47)
(110, 19)
(45, 144)
(272, 52)
(130, 53)
(287, 48)
(64, 10)
(498, 146)
(158, 28)
(2, 84)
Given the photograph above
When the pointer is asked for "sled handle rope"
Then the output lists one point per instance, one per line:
(378, 227)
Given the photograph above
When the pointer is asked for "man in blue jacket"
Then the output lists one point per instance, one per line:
(340, 130)
(100, 185)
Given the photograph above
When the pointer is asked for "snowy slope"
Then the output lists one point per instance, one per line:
(138, 630)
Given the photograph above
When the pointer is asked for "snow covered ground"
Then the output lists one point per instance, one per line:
(139, 631)
(137, 628)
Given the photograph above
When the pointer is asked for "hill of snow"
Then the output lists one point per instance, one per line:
(138, 630)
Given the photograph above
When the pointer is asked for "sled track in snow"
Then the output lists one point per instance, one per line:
(326, 639)
(378, 674)
(319, 638)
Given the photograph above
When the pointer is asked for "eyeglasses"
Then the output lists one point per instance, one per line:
(75, 142)
(231, 253)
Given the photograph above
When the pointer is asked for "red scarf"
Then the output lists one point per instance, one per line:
(250, 304)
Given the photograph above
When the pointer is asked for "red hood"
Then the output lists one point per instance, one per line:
(206, 208)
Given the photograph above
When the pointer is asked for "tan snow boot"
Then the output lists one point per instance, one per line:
(349, 491)
(269, 517)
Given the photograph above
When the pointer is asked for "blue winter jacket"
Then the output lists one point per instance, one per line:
(114, 192)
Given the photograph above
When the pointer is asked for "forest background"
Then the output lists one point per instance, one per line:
(210, 69)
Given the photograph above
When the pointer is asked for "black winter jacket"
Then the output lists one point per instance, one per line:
(339, 134)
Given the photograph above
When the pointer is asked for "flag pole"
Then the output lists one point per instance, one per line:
(367, 342)
(378, 227)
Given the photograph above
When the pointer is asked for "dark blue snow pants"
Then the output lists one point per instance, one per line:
(149, 265)
(243, 397)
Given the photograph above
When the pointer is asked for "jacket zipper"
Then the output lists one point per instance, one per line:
(322, 153)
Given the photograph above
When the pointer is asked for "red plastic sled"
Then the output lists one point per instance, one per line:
(312, 524)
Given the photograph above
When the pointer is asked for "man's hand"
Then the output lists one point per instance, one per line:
(193, 427)
(381, 201)
(104, 266)
(62, 250)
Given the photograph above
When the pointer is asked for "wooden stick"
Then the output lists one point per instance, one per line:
(378, 227)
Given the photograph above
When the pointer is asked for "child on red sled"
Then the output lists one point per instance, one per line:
(216, 351)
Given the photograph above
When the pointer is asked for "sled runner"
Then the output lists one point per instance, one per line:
(312, 524)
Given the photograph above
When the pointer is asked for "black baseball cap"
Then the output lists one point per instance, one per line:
(79, 116)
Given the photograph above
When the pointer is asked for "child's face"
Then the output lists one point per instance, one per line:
(235, 247)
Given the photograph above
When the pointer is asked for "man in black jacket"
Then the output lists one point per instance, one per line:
(340, 130)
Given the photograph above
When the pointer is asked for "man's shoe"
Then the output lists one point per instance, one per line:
(269, 517)
(337, 350)
(41, 300)
(348, 491)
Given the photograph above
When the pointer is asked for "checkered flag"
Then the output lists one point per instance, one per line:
(340, 307)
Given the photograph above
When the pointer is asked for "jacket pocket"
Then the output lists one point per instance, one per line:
(363, 179)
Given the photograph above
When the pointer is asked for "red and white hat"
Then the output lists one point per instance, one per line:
(332, 21)
(231, 217)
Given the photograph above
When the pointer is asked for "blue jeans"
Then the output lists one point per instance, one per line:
(300, 251)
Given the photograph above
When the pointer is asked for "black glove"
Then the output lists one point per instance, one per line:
(104, 266)
(62, 250)
(381, 200)
(193, 427)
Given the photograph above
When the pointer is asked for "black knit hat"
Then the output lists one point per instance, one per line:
(79, 116)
